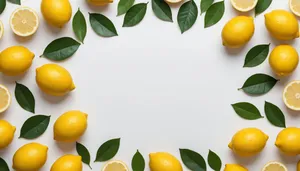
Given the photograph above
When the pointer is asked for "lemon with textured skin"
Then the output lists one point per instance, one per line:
(288, 141)
(100, 2)
(282, 25)
(248, 142)
(163, 161)
(284, 60)
(5, 98)
(234, 167)
(15, 60)
(70, 126)
(30, 157)
(56, 12)
(54, 80)
(7, 132)
(67, 163)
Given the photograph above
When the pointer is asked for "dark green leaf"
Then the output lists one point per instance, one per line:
(61, 49)
(3, 165)
(124, 5)
(214, 14)
(108, 150)
(187, 15)
(102, 25)
(274, 115)
(257, 55)
(261, 6)
(2, 5)
(205, 4)
(18, 2)
(162, 10)
(84, 153)
(192, 160)
(214, 161)
(138, 162)
(79, 26)
(25, 98)
(35, 126)
(247, 111)
(135, 15)
(259, 84)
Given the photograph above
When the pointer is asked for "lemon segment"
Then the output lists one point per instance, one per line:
(291, 95)
(244, 5)
(5, 98)
(100, 2)
(295, 7)
(272, 166)
(115, 166)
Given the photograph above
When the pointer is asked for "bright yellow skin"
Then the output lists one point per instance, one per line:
(238, 31)
(70, 126)
(282, 25)
(15, 60)
(288, 141)
(234, 167)
(67, 163)
(56, 12)
(284, 60)
(163, 161)
(248, 142)
(30, 157)
(100, 2)
(7, 132)
(54, 80)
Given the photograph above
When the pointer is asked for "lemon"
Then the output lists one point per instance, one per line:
(248, 142)
(30, 157)
(115, 166)
(284, 60)
(282, 25)
(24, 21)
(67, 163)
(7, 132)
(1, 29)
(234, 167)
(244, 6)
(238, 31)
(271, 166)
(291, 95)
(15, 60)
(70, 126)
(100, 2)
(295, 7)
(5, 98)
(173, 1)
(288, 141)
(163, 161)
(54, 80)
(56, 12)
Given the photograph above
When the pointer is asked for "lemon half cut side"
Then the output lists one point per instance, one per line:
(5, 98)
(244, 5)
(272, 166)
(295, 7)
(291, 95)
(1, 29)
(115, 166)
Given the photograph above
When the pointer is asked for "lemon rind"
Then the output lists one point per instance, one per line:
(283, 95)
(115, 161)
(2, 29)
(274, 162)
(243, 9)
(9, 99)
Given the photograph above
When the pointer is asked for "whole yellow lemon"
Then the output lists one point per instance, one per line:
(282, 25)
(56, 12)
(284, 60)
(70, 126)
(100, 2)
(7, 132)
(15, 60)
(54, 80)
(234, 167)
(67, 163)
(238, 31)
(288, 141)
(164, 161)
(30, 157)
(248, 142)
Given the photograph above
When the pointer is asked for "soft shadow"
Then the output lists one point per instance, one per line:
(239, 13)
(234, 51)
(175, 5)
(3, 114)
(51, 28)
(277, 42)
(12, 79)
(53, 99)
(65, 147)
(98, 8)
(287, 159)
(245, 160)
(22, 39)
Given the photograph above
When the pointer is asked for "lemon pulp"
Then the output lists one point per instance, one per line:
(291, 95)
(115, 166)
(4, 98)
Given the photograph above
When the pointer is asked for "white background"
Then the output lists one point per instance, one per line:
(157, 89)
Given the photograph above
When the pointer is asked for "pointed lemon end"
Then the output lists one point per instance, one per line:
(86, 115)
(13, 128)
(277, 143)
(230, 145)
(72, 86)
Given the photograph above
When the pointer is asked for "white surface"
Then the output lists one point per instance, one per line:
(157, 89)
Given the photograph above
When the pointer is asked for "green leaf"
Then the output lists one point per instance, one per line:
(61, 49)
(205, 4)
(2, 5)
(274, 115)
(18, 2)
(135, 15)
(214, 161)
(3, 165)
(108, 150)
(25, 98)
(124, 5)
(187, 15)
(259, 84)
(34, 127)
(192, 160)
(102, 25)
(84, 153)
(162, 10)
(138, 162)
(79, 26)
(261, 6)
(214, 14)
(247, 111)
(257, 55)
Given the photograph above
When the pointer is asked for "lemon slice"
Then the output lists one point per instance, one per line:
(291, 95)
(1, 29)
(295, 7)
(272, 166)
(173, 1)
(244, 5)
(24, 21)
(5, 98)
(115, 166)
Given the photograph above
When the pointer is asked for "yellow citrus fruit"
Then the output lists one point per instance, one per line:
(54, 80)
(234, 167)
(238, 31)
(5, 98)
(295, 7)
(1, 29)
(24, 21)
(67, 163)
(70, 126)
(164, 161)
(271, 166)
(7, 132)
(248, 142)
(100, 2)
(56, 12)
(244, 6)
(288, 141)
(284, 60)
(30, 157)
(115, 166)
(282, 25)
(291, 95)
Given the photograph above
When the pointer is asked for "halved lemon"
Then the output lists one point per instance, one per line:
(24, 21)
(295, 7)
(291, 95)
(1, 29)
(115, 166)
(5, 98)
(244, 5)
(272, 166)
(173, 1)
